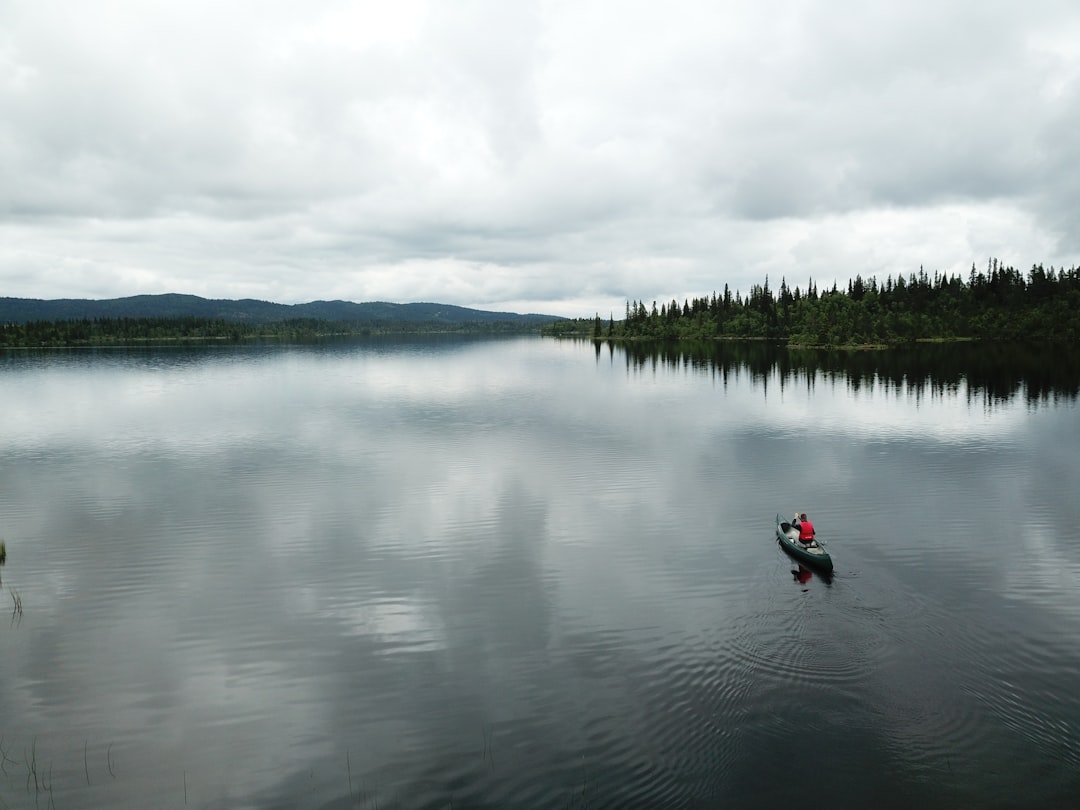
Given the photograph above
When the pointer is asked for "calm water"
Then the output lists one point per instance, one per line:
(525, 573)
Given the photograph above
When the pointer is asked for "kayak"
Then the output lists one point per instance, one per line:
(813, 554)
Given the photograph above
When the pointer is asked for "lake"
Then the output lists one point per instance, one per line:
(520, 572)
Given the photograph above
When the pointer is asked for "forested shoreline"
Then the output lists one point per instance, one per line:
(123, 331)
(999, 304)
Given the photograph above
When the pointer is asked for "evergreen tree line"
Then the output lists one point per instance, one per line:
(998, 304)
(105, 331)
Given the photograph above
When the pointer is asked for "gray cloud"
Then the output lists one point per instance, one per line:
(553, 156)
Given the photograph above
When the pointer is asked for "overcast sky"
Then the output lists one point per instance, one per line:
(556, 157)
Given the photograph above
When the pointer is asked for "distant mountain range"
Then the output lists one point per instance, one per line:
(172, 305)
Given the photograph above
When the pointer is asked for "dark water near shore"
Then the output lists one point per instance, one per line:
(528, 573)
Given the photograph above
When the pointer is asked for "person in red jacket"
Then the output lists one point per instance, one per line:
(805, 527)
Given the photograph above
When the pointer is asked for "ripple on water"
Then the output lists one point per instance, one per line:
(949, 698)
(1026, 685)
(655, 711)
(803, 646)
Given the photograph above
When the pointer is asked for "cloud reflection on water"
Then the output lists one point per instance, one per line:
(264, 563)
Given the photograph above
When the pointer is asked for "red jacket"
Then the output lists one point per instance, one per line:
(806, 530)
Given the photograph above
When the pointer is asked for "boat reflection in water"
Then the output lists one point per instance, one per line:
(803, 575)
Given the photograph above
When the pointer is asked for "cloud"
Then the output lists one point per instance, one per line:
(554, 153)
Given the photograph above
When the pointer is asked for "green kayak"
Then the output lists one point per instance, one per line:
(813, 554)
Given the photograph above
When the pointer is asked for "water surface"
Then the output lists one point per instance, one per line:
(529, 573)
